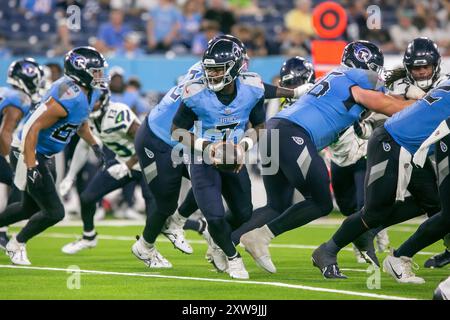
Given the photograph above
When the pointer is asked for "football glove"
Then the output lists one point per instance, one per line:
(65, 186)
(34, 178)
(118, 171)
(301, 90)
(99, 154)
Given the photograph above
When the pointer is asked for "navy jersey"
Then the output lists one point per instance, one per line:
(77, 105)
(10, 97)
(414, 124)
(329, 108)
(216, 121)
(161, 117)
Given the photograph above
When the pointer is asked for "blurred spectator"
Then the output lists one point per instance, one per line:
(421, 15)
(245, 7)
(163, 26)
(299, 19)
(357, 26)
(37, 6)
(133, 89)
(382, 39)
(438, 35)
(444, 14)
(190, 23)
(111, 35)
(56, 71)
(296, 44)
(127, 94)
(133, 7)
(259, 47)
(403, 32)
(216, 11)
(253, 38)
(5, 53)
(209, 30)
(131, 47)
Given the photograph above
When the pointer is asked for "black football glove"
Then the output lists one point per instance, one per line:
(100, 155)
(34, 178)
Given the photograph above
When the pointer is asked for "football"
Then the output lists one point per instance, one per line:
(227, 156)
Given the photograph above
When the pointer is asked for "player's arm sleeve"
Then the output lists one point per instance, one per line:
(185, 117)
(79, 159)
(258, 114)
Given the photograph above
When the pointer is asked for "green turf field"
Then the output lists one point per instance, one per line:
(110, 271)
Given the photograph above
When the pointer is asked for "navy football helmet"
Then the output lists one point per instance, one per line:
(26, 75)
(222, 63)
(240, 44)
(422, 52)
(86, 66)
(363, 54)
(295, 72)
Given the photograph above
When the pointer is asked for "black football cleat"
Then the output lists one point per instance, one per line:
(327, 263)
(371, 257)
(3, 240)
(439, 260)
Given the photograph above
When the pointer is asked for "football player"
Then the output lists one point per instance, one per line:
(390, 174)
(46, 131)
(154, 146)
(312, 123)
(115, 125)
(224, 102)
(420, 73)
(398, 265)
(25, 77)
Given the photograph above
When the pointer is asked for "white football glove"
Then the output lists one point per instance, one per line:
(118, 171)
(301, 90)
(413, 92)
(66, 185)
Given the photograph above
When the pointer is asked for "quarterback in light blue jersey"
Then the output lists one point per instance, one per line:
(312, 123)
(63, 111)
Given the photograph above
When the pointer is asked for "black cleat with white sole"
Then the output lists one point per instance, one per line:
(438, 261)
(371, 257)
(327, 263)
(331, 272)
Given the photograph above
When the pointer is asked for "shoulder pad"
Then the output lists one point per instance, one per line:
(193, 87)
(252, 79)
(68, 90)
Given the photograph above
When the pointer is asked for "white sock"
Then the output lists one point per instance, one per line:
(145, 243)
(268, 235)
(4, 229)
(179, 219)
(89, 233)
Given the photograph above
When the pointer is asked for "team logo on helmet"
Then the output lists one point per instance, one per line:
(237, 52)
(362, 53)
(78, 62)
(29, 70)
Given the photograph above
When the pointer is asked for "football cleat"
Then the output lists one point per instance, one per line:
(439, 260)
(175, 233)
(17, 252)
(382, 240)
(150, 256)
(79, 245)
(401, 269)
(370, 257)
(327, 263)
(256, 243)
(442, 291)
(236, 269)
(3, 240)
(214, 254)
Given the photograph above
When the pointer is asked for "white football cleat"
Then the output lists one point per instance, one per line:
(214, 254)
(78, 245)
(382, 240)
(17, 252)
(256, 243)
(150, 256)
(401, 269)
(175, 233)
(236, 269)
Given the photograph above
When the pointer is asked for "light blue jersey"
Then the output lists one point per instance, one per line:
(71, 97)
(10, 97)
(161, 117)
(217, 121)
(414, 124)
(328, 108)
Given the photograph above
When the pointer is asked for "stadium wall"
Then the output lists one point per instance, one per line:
(158, 73)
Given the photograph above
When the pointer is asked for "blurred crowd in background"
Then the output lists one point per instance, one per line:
(135, 28)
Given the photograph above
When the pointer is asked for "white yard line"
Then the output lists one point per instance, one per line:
(128, 238)
(246, 282)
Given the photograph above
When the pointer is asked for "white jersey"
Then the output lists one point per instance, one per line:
(113, 131)
(399, 87)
